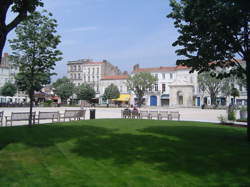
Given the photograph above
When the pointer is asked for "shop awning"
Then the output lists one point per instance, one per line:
(123, 97)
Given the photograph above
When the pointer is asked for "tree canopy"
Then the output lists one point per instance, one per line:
(85, 92)
(35, 52)
(64, 88)
(22, 8)
(140, 83)
(8, 89)
(111, 92)
(212, 34)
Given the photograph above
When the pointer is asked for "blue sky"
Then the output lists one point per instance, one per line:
(123, 32)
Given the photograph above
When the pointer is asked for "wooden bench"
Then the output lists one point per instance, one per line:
(126, 113)
(1, 118)
(74, 114)
(153, 114)
(48, 116)
(143, 114)
(174, 115)
(163, 114)
(20, 116)
(135, 114)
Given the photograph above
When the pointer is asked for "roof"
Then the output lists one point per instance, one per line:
(85, 62)
(115, 77)
(160, 69)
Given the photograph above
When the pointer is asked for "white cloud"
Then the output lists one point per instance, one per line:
(81, 29)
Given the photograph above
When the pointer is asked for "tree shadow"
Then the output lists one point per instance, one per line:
(193, 150)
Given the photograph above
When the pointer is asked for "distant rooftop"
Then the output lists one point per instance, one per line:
(115, 77)
(137, 69)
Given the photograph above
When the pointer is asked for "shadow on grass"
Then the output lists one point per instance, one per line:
(210, 153)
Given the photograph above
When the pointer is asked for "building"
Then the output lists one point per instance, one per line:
(120, 82)
(90, 72)
(7, 70)
(175, 86)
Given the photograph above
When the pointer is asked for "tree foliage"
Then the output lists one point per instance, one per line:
(35, 53)
(216, 31)
(111, 92)
(64, 88)
(8, 89)
(85, 92)
(212, 31)
(22, 8)
(140, 83)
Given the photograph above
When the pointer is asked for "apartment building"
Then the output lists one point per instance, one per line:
(90, 72)
(7, 70)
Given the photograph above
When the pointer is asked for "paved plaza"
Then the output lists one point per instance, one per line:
(187, 114)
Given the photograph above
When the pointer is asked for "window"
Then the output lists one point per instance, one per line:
(93, 70)
(74, 76)
(88, 78)
(74, 67)
(97, 70)
(79, 68)
(163, 76)
(79, 76)
(163, 87)
(88, 70)
(156, 75)
(171, 75)
(156, 87)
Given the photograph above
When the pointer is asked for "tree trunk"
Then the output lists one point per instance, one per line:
(2, 43)
(248, 96)
(31, 96)
(213, 99)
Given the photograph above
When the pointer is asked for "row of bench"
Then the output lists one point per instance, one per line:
(150, 114)
(54, 116)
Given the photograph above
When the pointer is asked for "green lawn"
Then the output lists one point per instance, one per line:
(124, 153)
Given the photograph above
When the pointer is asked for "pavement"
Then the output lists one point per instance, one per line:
(187, 114)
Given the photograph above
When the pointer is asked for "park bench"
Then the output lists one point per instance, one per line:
(135, 114)
(163, 114)
(73, 114)
(48, 116)
(126, 113)
(1, 118)
(144, 113)
(174, 115)
(153, 114)
(19, 116)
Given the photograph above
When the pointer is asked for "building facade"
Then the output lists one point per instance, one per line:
(7, 70)
(90, 72)
(175, 86)
(117, 80)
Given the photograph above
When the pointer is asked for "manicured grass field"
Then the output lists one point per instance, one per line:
(124, 153)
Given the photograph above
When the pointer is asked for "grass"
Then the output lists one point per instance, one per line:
(124, 153)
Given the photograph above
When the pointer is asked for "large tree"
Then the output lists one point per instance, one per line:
(85, 92)
(21, 8)
(8, 89)
(140, 83)
(35, 53)
(111, 92)
(64, 88)
(214, 31)
(213, 86)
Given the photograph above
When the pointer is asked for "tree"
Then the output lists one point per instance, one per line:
(235, 93)
(211, 85)
(35, 53)
(85, 92)
(22, 8)
(140, 83)
(214, 31)
(8, 89)
(111, 92)
(64, 88)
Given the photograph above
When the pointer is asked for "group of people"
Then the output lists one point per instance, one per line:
(132, 109)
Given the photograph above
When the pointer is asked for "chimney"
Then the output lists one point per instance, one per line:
(136, 67)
